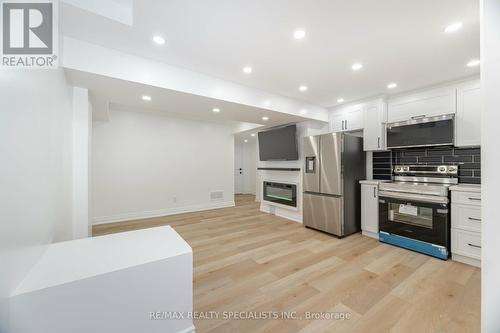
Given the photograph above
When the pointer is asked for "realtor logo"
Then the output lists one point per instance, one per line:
(29, 34)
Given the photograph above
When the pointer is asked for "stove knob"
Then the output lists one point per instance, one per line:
(452, 169)
(442, 169)
(406, 169)
(399, 169)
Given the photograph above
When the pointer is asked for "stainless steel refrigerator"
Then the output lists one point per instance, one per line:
(334, 165)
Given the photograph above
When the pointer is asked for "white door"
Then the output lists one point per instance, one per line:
(369, 209)
(249, 167)
(468, 118)
(238, 168)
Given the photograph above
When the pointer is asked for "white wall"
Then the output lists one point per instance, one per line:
(304, 129)
(35, 171)
(146, 165)
(490, 80)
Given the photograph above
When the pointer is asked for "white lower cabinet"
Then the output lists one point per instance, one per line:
(369, 210)
(466, 227)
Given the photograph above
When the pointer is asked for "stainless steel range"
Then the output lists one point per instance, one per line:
(414, 209)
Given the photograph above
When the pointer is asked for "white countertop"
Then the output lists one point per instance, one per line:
(373, 181)
(476, 188)
(84, 258)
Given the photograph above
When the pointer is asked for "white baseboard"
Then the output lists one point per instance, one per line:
(466, 260)
(370, 234)
(272, 210)
(160, 212)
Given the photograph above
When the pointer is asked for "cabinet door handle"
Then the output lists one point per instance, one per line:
(474, 245)
(374, 192)
(342, 125)
(474, 219)
(346, 124)
(475, 199)
(378, 142)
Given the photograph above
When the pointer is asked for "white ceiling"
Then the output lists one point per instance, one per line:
(397, 41)
(126, 95)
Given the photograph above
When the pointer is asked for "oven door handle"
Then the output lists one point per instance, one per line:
(414, 197)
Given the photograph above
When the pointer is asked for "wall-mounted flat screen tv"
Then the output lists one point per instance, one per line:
(279, 144)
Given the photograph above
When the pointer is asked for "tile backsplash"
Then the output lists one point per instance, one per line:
(467, 159)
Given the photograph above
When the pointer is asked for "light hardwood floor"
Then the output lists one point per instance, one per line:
(246, 260)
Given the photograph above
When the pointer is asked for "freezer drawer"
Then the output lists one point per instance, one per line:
(324, 212)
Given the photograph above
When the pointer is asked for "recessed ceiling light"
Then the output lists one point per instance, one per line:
(216, 110)
(303, 111)
(159, 40)
(146, 98)
(473, 63)
(340, 100)
(253, 134)
(453, 27)
(247, 69)
(265, 118)
(392, 85)
(246, 140)
(357, 66)
(299, 34)
(303, 88)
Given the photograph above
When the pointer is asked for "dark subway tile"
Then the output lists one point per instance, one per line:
(414, 153)
(465, 173)
(382, 154)
(467, 151)
(381, 160)
(477, 173)
(462, 159)
(407, 160)
(467, 180)
(440, 152)
(477, 159)
(425, 159)
(470, 166)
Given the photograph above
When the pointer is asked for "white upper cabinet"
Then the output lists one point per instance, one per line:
(429, 103)
(375, 118)
(346, 119)
(468, 117)
(337, 122)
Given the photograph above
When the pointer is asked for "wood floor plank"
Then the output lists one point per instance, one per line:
(252, 262)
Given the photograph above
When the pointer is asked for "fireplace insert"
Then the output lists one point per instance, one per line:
(281, 193)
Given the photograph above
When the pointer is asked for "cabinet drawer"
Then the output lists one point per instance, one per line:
(466, 217)
(466, 243)
(468, 198)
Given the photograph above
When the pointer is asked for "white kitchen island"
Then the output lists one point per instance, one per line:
(125, 282)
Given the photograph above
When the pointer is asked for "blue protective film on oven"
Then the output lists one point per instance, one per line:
(415, 245)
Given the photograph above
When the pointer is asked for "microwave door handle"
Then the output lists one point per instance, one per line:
(422, 116)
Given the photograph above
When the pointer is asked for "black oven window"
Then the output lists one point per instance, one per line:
(408, 214)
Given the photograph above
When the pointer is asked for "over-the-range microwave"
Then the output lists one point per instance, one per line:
(421, 132)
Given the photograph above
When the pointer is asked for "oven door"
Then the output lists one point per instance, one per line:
(412, 217)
